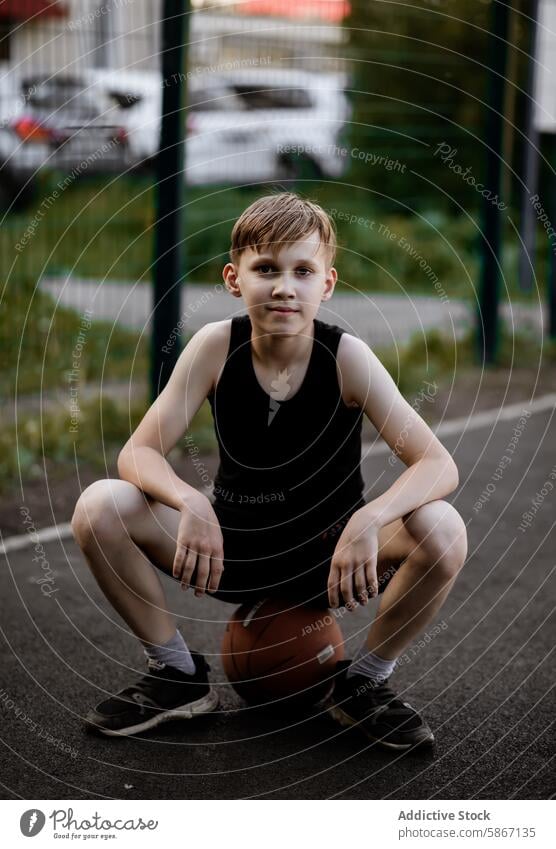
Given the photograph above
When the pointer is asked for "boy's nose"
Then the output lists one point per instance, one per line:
(283, 284)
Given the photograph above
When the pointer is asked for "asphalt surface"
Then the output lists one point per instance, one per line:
(484, 681)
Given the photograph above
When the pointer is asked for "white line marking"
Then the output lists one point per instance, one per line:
(466, 423)
(61, 531)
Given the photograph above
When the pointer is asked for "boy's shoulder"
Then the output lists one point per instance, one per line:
(217, 336)
(352, 350)
(218, 330)
(351, 358)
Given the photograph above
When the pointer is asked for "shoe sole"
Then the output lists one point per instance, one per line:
(344, 719)
(206, 704)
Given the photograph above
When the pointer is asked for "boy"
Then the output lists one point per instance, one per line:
(287, 393)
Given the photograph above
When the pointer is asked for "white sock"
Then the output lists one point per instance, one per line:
(371, 665)
(173, 653)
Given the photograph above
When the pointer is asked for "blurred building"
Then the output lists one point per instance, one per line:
(70, 35)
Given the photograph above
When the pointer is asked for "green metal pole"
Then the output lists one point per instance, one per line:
(551, 270)
(169, 196)
(489, 297)
(528, 225)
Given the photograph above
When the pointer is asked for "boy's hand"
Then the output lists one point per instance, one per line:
(353, 567)
(200, 546)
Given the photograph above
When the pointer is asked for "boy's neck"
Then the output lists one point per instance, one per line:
(281, 350)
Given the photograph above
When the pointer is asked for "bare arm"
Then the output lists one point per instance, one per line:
(198, 560)
(152, 473)
(142, 460)
(431, 472)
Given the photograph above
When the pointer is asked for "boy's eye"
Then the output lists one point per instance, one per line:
(266, 268)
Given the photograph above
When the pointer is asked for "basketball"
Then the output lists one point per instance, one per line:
(276, 651)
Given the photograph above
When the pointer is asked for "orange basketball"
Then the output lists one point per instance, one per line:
(275, 649)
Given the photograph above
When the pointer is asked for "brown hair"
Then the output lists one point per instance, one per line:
(283, 217)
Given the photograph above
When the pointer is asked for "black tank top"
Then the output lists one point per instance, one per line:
(289, 461)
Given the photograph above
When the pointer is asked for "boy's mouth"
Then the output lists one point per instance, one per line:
(283, 309)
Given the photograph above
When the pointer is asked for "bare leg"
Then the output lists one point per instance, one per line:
(431, 543)
(106, 516)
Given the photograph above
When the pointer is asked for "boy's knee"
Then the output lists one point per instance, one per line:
(449, 539)
(442, 536)
(102, 508)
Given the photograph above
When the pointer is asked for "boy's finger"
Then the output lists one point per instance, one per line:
(360, 584)
(188, 569)
(216, 569)
(179, 557)
(371, 579)
(333, 579)
(203, 569)
(346, 585)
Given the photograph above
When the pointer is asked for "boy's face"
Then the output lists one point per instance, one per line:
(283, 289)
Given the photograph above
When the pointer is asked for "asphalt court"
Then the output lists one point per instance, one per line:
(482, 673)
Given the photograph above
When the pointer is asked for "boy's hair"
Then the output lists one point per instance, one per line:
(283, 217)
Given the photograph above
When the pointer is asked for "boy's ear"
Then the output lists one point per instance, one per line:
(231, 279)
(329, 283)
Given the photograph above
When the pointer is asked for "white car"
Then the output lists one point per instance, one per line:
(242, 126)
(132, 99)
(54, 121)
(265, 124)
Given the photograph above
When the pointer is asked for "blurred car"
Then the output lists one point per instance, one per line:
(55, 122)
(245, 125)
(132, 100)
(265, 124)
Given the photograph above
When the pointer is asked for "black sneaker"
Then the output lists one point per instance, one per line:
(163, 693)
(377, 711)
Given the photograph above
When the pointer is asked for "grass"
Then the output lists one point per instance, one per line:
(97, 227)
(436, 357)
(41, 343)
(104, 426)
(102, 228)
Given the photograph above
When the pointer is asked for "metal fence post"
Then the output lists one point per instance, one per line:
(169, 195)
(488, 320)
(530, 158)
(551, 265)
